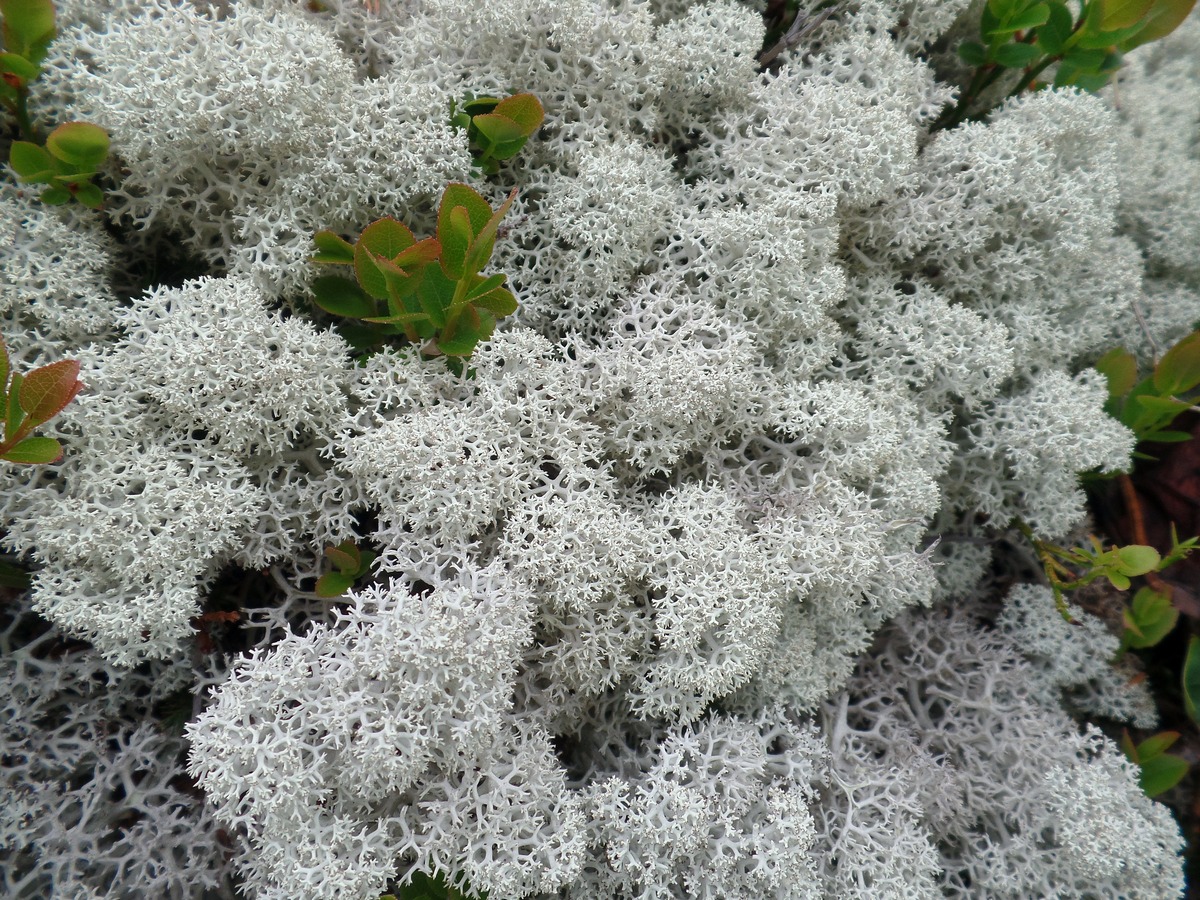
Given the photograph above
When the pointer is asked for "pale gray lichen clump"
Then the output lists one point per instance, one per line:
(774, 337)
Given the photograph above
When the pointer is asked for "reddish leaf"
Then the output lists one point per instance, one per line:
(48, 389)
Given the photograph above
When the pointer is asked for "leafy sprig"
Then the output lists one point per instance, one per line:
(32, 400)
(428, 291)
(497, 128)
(1148, 407)
(1087, 48)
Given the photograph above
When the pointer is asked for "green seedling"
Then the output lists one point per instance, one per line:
(497, 128)
(1148, 407)
(350, 564)
(429, 292)
(1159, 771)
(1085, 44)
(32, 400)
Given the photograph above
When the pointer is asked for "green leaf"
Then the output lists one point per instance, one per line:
(1016, 56)
(1109, 39)
(1117, 580)
(79, 144)
(35, 451)
(499, 302)
(1161, 773)
(56, 196)
(1136, 559)
(1120, 368)
(1127, 747)
(89, 195)
(1035, 15)
(1084, 60)
(342, 297)
(14, 416)
(16, 64)
(1179, 369)
(28, 26)
(455, 233)
(1168, 437)
(421, 253)
(46, 390)
(1053, 35)
(1156, 744)
(972, 53)
(484, 242)
(497, 129)
(524, 109)
(31, 162)
(334, 584)
(1149, 618)
(1191, 678)
(4, 368)
(386, 237)
(345, 557)
(1164, 17)
(333, 249)
(1114, 14)
(436, 294)
(473, 326)
(12, 576)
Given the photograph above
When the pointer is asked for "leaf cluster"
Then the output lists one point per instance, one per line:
(428, 291)
(497, 129)
(1149, 406)
(350, 564)
(71, 155)
(1086, 47)
(1160, 771)
(32, 400)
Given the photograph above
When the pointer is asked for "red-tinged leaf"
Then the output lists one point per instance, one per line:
(80, 144)
(524, 109)
(35, 451)
(344, 557)
(334, 584)
(370, 276)
(1161, 773)
(1164, 17)
(48, 389)
(342, 297)
(16, 64)
(333, 249)
(1120, 368)
(400, 284)
(484, 242)
(386, 237)
(421, 253)
(1156, 744)
(1179, 369)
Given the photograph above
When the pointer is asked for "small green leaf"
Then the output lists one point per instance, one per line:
(1137, 559)
(89, 195)
(1168, 437)
(35, 451)
(1016, 56)
(56, 196)
(1149, 618)
(499, 302)
(1084, 60)
(451, 233)
(16, 64)
(484, 242)
(1035, 15)
(1179, 369)
(421, 253)
(46, 390)
(80, 144)
(334, 584)
(342, 297)
(1161, 773)
(1191, 678)
(1117, 580)
(1156, 744)
(1127, 747)
(496, 129)
(1053, 35)
(12, 576)
(1164, 17)
(333, 249)
(1120, 368)
(1108, 39)
(4, 368)
(1121, 13)
(28, 25)
(386, 237)
(473, 326)
(524, 109)
(972, 53)
(346, 557)
(31, 162)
